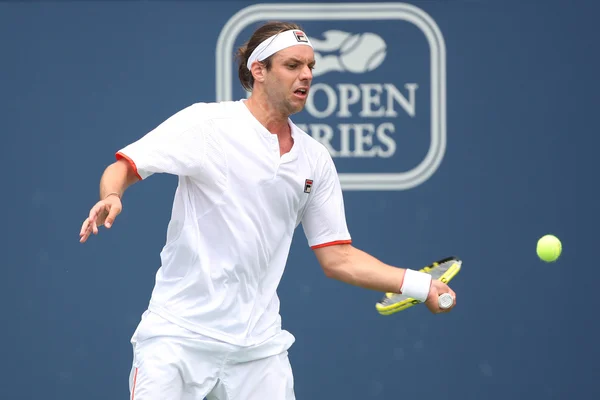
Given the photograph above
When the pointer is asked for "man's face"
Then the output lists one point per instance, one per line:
(288, 81)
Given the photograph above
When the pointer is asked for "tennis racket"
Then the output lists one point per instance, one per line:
(443, 270)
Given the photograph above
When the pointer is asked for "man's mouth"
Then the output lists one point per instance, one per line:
(301, 92)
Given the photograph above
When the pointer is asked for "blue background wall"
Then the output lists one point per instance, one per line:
(79, 80)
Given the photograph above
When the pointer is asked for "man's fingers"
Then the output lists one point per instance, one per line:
(94, 211)
(96, 216)
(84, 233)
(86, 229)
(97, 210)
(451, 292)
(112, 214)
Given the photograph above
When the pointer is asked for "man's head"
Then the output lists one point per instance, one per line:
(276, 65)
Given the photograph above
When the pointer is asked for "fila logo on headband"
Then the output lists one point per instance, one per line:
(300, 36)
(308, 185)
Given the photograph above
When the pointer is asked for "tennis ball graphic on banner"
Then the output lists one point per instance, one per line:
(356, 53)
(362, 53)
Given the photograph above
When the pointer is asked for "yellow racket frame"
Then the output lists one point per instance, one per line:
(409, 302)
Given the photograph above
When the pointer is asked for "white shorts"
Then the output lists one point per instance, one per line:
(171, 362)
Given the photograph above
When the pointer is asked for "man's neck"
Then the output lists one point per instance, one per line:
(274, 121)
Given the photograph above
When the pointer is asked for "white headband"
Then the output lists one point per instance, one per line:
(278, 42)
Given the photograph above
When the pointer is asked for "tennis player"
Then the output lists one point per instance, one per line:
(247, 177)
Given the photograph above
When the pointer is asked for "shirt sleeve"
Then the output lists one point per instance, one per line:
(324, 219)
(174, 147)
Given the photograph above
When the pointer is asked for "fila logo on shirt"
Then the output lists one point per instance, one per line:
(308, 185)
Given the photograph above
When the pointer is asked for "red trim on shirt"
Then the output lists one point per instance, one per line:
(318, 246)
(133, 386)
(120, 155)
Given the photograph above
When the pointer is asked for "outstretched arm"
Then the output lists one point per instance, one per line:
(116, 178)
(348, 264)
(174, 147)
(325, 227)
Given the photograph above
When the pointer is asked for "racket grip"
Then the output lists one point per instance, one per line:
(445, 301)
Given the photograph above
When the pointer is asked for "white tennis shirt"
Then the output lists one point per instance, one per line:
(235, 210)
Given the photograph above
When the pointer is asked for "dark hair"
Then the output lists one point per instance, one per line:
(261, 34)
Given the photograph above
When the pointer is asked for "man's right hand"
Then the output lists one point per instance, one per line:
(438, 288)
(103, 213)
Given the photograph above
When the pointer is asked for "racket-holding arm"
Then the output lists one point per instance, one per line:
(348, 264)
(441, 272)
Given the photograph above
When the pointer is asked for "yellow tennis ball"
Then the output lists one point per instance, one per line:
(549, 248)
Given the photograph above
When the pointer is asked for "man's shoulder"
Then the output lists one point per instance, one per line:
(311, 145)
(208, 111)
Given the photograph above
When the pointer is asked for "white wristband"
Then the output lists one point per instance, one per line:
(416, 285)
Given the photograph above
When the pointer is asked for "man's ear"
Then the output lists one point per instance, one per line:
(258, 69)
